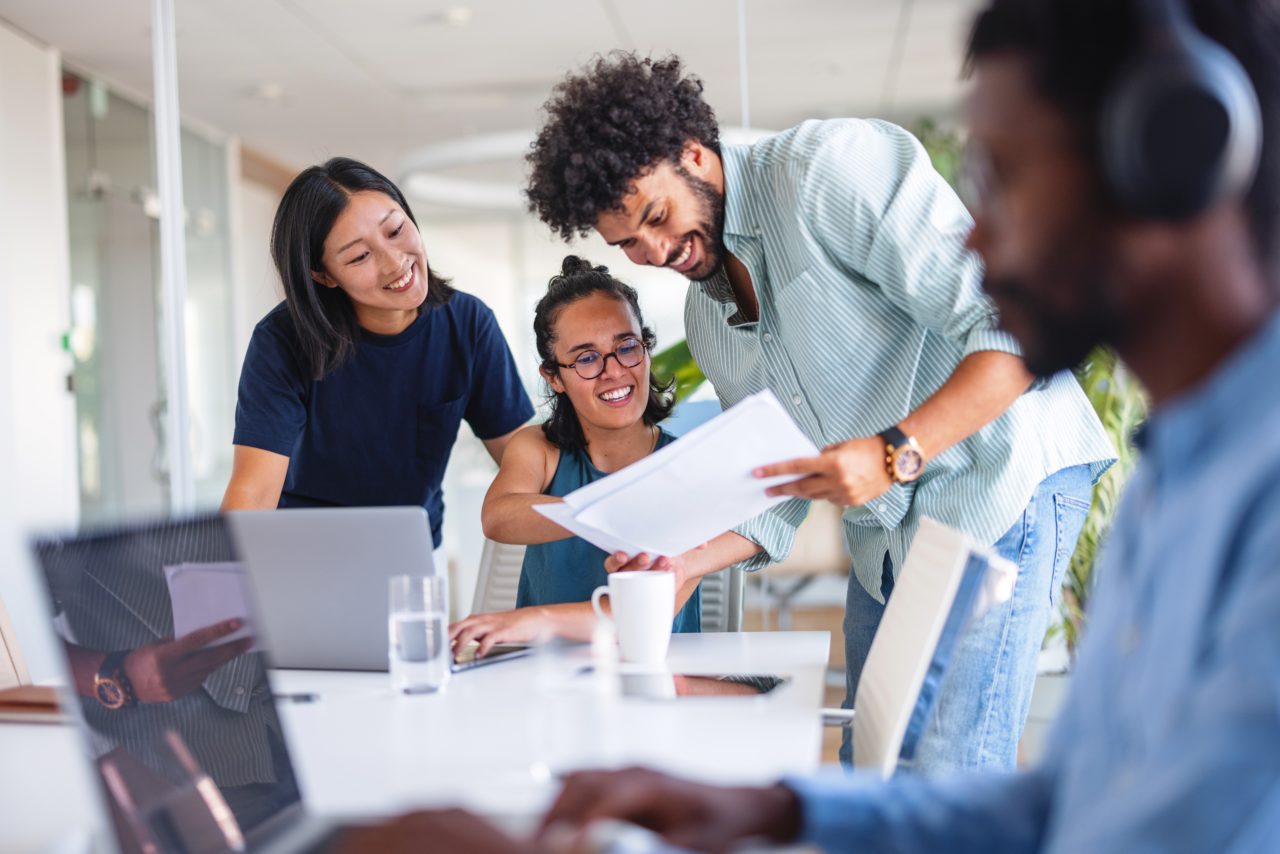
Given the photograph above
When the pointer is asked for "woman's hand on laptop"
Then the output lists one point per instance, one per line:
(171, 669)
(573, 620)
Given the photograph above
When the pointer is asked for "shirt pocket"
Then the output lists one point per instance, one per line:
(437, 431)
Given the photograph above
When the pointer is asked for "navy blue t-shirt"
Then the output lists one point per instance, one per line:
(379, 429)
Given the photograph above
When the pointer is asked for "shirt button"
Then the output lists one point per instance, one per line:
(797, 400)
(768, 336)
(239, 690)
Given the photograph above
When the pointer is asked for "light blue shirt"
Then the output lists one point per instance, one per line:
(868, 301)
(1170, 739)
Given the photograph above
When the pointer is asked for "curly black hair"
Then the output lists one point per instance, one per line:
(606, 126)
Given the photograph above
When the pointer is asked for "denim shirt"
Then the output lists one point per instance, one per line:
(1170, 739)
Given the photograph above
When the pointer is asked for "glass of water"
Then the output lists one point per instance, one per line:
(418, 633)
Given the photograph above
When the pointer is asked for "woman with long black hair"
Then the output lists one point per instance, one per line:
(354, 387)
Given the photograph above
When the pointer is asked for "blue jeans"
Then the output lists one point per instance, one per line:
(986, 692)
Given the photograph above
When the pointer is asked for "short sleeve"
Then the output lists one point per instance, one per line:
(271, 409)
(497, 403)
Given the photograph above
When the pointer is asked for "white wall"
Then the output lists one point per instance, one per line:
(38, 477)
(255, 286)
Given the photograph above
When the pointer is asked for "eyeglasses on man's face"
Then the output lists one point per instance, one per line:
(590, 363)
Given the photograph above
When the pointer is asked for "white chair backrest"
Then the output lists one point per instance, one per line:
(721, 594)
(13, 669)
(499, 578)
(944, 578)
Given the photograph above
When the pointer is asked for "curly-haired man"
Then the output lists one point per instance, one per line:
(829, 265)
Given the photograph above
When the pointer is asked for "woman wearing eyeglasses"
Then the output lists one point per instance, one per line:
(606, 406)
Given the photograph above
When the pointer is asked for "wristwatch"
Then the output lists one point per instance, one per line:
(902, 455)
(111, 684)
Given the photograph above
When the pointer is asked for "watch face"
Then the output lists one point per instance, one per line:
(907, 464)
(109, 693)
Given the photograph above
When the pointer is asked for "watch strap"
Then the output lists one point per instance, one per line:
(113, 663)
(894, 437)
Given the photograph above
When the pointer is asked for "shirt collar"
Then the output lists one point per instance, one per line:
(733, 159)
(1220, 405)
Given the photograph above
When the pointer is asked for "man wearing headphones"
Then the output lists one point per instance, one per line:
(828, 265)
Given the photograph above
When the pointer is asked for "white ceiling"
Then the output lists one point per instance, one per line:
(379, 78)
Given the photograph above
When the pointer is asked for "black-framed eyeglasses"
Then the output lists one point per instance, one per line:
(590, 364)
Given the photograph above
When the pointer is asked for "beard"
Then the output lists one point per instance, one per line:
(1060, 315)
(710, 223)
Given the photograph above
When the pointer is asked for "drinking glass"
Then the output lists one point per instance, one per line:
(418, 633)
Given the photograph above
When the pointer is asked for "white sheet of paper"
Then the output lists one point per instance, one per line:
(694, 489)
(206, 593)
(562, 515)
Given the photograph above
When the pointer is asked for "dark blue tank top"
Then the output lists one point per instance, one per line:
(569, 570)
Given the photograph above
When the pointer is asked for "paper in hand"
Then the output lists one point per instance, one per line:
(206, 593)
(693, 489)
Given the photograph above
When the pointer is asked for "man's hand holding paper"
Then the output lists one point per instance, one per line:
(849, 473)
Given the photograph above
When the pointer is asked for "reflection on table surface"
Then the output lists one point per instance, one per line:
(661, 685)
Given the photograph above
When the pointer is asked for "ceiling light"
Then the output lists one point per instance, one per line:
(269, 92)
(454, 16)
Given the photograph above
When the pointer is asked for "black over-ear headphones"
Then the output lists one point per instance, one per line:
(1181, 129)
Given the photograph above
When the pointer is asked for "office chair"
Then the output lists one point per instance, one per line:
(499, 577)
(945, 581)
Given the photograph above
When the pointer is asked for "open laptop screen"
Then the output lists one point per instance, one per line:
(179, 718)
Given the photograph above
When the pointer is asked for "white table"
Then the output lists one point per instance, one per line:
(487, 743)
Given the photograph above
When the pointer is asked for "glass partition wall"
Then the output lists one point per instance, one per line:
(118, 377)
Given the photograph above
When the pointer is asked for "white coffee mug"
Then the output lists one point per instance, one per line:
(643, 605)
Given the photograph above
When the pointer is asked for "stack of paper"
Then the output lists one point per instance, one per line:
(693, 489)
(206, 593)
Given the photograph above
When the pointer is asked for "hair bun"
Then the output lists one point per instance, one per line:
(573, 265)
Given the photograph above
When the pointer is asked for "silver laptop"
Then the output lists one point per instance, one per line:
(208, 769)
(319, 577)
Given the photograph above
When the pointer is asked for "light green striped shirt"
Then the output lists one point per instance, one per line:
(868, 301)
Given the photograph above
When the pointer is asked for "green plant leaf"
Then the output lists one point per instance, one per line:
(676, 361)
(1121, 406)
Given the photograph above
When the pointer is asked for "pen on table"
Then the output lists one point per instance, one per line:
(298, 697)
